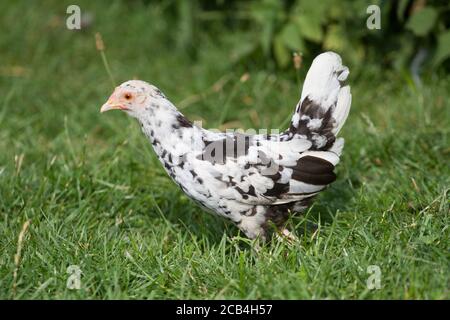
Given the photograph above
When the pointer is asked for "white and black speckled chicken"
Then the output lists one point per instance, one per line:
(256, 181)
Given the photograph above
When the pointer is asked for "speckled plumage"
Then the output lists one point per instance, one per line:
(253, 180)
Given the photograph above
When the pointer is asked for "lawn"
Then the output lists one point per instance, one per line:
(87, 190)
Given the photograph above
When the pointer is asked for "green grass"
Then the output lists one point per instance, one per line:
(97, 197)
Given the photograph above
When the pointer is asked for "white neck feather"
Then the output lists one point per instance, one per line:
(168, 130)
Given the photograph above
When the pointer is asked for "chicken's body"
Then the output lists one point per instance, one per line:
(253, 180)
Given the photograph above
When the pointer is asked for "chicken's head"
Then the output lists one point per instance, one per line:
(134, 97)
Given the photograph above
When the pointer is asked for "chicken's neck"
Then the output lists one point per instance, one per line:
(169, 132)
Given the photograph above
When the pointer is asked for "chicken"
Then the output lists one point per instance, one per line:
(256, 180)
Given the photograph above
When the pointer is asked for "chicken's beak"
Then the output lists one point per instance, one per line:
(113, 103)
(110, 106)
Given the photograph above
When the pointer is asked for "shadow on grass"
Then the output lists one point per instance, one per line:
(324, 208)
(204, 226)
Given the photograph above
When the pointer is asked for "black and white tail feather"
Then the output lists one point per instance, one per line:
(324, 104)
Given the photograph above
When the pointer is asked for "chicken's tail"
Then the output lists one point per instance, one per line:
(324, 104)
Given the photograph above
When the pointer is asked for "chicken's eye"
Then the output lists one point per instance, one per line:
(128, 96)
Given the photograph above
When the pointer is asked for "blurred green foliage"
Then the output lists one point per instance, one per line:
(271, 30)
